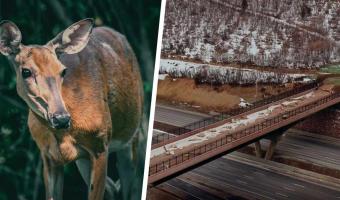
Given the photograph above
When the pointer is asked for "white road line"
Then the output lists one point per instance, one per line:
(299, 185)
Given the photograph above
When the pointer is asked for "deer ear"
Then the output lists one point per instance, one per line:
(73, 39)
(10, 38)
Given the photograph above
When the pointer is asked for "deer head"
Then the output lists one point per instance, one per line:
(39, 73)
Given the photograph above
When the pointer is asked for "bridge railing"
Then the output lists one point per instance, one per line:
(227, 139)
(225, 115)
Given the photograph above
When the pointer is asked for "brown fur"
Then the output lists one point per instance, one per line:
(101, 91)
(114, 93)
(82, 115)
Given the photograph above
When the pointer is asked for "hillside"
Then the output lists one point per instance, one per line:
(299, 34)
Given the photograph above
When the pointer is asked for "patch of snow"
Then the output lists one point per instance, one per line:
(226, 74)
(243, 103)
(306, 96)
(253, 50)
(289, 103)
(162, 76)
(307, 80)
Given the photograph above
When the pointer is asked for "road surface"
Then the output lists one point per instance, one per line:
(176, 116)
(319, 150)
(230, 178)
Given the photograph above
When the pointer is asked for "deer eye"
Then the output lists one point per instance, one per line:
(63, 73)
(26, 73)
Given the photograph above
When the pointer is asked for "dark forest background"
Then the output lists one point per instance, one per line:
(39, 21)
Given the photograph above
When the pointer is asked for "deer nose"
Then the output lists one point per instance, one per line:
(61, 120)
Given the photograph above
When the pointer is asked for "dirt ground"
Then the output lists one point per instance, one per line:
(206, 98)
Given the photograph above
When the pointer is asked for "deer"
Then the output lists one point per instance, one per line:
(84, 93)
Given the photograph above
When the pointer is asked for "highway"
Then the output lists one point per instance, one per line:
(173, 118)
(299, 146)
(177, 116)
(240, 176)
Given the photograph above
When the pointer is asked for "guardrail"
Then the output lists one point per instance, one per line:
(211, 120)
(163, 165)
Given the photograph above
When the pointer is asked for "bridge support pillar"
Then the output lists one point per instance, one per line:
(258, 149)
(271, 148)
(274, 138)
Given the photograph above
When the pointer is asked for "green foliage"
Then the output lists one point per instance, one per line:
(39, 21)
(333, 69)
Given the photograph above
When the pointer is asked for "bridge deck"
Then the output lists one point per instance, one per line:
(227, 135)
(177, 133)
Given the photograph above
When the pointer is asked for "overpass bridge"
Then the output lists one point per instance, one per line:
(178, 150)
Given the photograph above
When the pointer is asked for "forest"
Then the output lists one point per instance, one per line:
(301, 34)
(39, 21)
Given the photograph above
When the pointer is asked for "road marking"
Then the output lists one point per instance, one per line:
(290, 189)
(284, 195)
(299, 185)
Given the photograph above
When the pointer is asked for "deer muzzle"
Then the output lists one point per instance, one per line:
(60, 120)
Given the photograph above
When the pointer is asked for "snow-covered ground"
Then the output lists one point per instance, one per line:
(162, 76)
(243, 103)
(230, 126)
(226, 75)
(283, 34)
